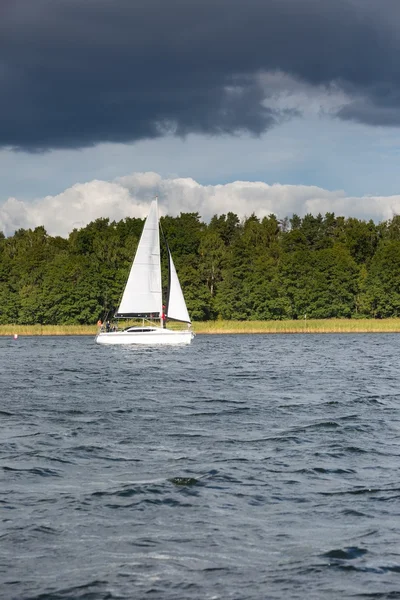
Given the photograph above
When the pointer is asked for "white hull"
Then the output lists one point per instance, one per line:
(154, 337)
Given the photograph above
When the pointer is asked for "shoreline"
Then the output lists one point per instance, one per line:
(229, 327)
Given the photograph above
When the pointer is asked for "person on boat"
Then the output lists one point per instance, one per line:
(108, 326)
(163, 318)
(99, 323)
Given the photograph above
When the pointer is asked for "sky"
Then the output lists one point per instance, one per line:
(265, 106)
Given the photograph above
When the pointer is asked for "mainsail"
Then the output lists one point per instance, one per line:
(143, 293)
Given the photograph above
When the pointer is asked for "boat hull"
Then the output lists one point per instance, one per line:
(156, 337)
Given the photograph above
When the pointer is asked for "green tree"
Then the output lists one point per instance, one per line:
(320, 284)
(381, 297)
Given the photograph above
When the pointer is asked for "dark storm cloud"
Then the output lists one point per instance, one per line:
(75, 73)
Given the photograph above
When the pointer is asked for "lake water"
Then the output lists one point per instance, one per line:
(240, 467)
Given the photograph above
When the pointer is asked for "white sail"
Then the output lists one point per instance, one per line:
(143, 294)
(176, 303)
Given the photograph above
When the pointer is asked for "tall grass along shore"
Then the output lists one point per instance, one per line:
(230, 327)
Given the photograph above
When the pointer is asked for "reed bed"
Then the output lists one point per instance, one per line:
(301, 326)
(231, 327)
(48, 330)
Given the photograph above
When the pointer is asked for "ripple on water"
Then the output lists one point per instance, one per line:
(239, 467)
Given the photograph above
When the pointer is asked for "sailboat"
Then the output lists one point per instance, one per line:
(142, 296)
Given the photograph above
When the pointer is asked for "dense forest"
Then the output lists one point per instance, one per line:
(246, 269)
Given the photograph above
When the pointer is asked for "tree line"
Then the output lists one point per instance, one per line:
(319, 266)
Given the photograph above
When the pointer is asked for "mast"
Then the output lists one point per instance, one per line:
(165, 306)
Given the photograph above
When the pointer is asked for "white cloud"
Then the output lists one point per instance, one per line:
(316, 149)
(285, 92)
(130, 196)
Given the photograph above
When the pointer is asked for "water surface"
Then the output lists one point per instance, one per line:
(240, 467)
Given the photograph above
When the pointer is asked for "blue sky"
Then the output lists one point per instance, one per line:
(325, 151)
(296, 92)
